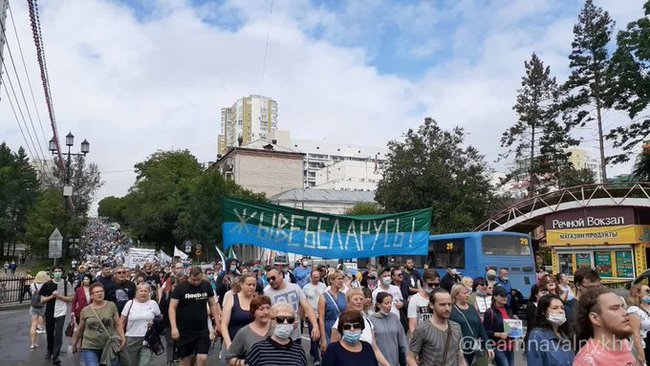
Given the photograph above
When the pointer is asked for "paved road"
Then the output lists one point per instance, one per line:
(15, 351)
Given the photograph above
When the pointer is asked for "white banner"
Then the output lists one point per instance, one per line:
(164, 258)
(179, 253)
(139, 256)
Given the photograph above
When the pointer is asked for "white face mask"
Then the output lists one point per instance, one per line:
(283, 331)
(385, 281)
(557, 319)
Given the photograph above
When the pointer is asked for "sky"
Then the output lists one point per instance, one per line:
(136, 76)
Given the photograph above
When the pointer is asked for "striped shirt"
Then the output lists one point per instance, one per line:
(428, 343)
(270, 353)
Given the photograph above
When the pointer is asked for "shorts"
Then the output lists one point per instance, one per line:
(193, 344)
(34, 311)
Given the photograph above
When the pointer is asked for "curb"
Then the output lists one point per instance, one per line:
(24, 305)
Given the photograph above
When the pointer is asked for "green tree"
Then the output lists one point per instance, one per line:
(160, 194)
(114, 208)
(587, 86)
(85, 180)
(630, 73)
(537, 141)
(203, 215)
(49, 213)
(571, 177)
(364, 208)
(641, 171)
(434, 168)
(18, 194)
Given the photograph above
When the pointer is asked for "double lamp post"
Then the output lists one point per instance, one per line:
(67, 188)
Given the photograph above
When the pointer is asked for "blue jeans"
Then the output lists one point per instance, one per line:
(91, 357)
(504, 358)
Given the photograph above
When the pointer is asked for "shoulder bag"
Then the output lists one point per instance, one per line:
(334, 301)
(447, 342)
(480, 358)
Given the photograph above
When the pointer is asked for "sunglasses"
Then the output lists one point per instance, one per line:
(482, 284)
(285, 319)
(351, 326)
(120, 272)
(433, 284)
(271, 278)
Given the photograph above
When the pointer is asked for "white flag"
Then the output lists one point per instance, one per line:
(179, 253)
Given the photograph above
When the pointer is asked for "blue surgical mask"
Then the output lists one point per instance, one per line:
(386, 281)
(351, 337)
(646, 300)
(283, 331)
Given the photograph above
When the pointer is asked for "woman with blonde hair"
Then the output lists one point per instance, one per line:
(236, 312)
(37, 308)
(331, 305)
(638, 303)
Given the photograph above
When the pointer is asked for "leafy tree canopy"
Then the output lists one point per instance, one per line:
(434, 168)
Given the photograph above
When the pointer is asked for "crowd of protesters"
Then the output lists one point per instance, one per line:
(263, 315)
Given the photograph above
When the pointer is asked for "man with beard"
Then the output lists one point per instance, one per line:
(189, 319)
(123, 290)
(412, 277)
(603, 330)
(437, 341)
(106, 279)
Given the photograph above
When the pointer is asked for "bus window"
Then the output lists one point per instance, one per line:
(506, 245)
(447, 253)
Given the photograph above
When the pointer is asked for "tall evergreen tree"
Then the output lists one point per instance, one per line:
(435, 168)
(537, 138)
(587, 86)
(630, 74)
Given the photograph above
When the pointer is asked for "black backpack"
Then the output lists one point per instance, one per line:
(36, 298)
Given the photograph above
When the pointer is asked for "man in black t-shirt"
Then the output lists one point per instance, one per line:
(122, 290)
(189, 318)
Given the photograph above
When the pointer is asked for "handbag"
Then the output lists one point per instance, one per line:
(69, 330)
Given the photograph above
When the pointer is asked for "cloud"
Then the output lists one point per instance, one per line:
(133, 79)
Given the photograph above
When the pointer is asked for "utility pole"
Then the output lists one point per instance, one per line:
(4, 4)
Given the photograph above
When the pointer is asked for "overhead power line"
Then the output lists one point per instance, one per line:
(266, 48)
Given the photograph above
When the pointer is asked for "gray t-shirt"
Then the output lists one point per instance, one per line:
(291, 294)
(428, 343)
(243, 342)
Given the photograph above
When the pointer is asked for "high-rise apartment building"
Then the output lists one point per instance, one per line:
(250, 118)
(582, 160)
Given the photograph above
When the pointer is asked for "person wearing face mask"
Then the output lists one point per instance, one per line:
(351, 350)
(504, 281)
(385, 286)
(302, 273)
(389, 333)
(418, 309)
(81, 296)
(639, 310)
(369, 278)
(549, 341)
(278, 349)
(480, 298)
(55, 294)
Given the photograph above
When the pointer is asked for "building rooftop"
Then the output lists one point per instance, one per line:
(320, 195)
(266, 145)
(327, 148)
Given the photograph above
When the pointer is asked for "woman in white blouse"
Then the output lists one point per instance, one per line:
(639, 309)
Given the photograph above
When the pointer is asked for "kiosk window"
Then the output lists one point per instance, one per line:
(447, 253)
(566, 264)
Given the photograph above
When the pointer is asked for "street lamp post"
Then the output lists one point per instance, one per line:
(85, 149)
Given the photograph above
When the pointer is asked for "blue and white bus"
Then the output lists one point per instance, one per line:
(473, 253)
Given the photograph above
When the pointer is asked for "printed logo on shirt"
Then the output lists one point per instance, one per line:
(424, 313)
(197, 296)
(290, 298)
(121, 295)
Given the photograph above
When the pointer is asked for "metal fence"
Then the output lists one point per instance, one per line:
(15, 289)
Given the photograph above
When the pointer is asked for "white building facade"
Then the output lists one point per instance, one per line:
(319, 155)
(250, 118)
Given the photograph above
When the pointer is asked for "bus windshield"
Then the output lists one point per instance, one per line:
(506, 245)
